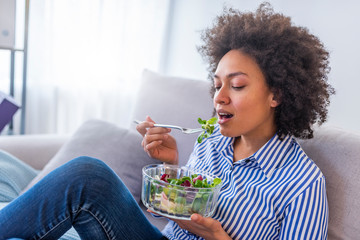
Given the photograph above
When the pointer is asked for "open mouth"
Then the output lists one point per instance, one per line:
(224, 116)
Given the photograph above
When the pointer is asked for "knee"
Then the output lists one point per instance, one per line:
(86, 162)
(88, 172)
(87, 166)
(92, 174)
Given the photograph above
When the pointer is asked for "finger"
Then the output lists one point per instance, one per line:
(150, 138)
(152, 145)
(184, 224)
(153, 140)
(157, 130)
(148, 118)
(143, 143)
(143, 126)
(197, 218)
(155, 133)
(148, 210)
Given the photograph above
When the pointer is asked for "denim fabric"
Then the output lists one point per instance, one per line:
(84, 193)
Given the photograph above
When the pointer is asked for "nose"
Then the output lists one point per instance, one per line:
(221, 96)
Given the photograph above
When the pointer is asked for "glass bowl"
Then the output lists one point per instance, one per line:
(176, 201)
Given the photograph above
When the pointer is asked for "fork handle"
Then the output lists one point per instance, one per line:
(167, 126)
(162, 125)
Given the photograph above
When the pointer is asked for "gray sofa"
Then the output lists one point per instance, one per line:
(181, 101)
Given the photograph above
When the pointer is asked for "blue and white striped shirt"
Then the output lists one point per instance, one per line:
(277, 193)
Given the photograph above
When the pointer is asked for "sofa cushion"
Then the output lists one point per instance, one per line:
(175, 101)
(15, 175)
(117, 147)
(33, 149)
(337, 152)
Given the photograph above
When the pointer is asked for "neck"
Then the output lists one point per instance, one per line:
(247, 145)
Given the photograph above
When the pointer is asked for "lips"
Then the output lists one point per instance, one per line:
(223, 116)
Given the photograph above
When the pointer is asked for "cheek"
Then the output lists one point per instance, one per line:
(242, 104)
(251, 107)
(261, 108)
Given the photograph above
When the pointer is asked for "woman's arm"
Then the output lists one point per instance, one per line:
(307, 216)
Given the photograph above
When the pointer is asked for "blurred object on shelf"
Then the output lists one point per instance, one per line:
(8, 108)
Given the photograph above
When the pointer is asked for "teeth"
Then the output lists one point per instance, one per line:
(224, 115)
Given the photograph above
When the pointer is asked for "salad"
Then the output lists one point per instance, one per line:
(182, 196)
(208, 126)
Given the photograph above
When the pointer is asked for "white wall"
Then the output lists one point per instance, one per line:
(335, 22)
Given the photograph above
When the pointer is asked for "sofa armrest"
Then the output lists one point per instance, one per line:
(35, 150)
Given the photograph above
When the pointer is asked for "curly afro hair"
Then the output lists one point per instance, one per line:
(294, 62)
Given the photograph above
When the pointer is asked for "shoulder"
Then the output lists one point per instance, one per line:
(305, 161)
(302, 171)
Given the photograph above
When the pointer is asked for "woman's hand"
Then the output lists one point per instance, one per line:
(157, 142)
(205, 227)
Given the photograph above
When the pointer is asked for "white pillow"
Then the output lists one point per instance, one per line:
(175, 101)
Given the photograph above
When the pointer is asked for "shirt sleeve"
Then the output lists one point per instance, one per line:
(307, 216)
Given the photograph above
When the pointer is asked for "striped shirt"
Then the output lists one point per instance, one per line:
(277, 193)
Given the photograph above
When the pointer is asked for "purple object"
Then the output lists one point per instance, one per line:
(8, 108)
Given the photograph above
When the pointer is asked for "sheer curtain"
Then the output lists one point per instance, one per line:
(86, 57)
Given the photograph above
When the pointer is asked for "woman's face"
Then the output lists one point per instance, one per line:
(243, 102)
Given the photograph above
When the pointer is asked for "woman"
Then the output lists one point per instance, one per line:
(270, 85)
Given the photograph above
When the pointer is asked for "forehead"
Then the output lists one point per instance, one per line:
(236, 60)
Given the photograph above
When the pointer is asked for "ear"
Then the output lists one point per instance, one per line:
(275, 99)
(274, 103)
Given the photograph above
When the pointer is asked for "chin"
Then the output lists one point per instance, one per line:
(227, 132)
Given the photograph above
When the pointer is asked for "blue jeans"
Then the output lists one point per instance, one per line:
(84, 193)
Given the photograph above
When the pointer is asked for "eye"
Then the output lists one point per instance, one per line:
(217, 88)
(238, 88)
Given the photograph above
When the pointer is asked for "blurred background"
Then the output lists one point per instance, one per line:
(84, 58)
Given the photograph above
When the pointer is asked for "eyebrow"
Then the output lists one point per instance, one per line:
(231, 75)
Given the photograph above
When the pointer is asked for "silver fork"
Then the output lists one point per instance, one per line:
(184, 130)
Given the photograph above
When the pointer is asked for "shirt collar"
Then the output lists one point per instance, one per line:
(268, 157)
